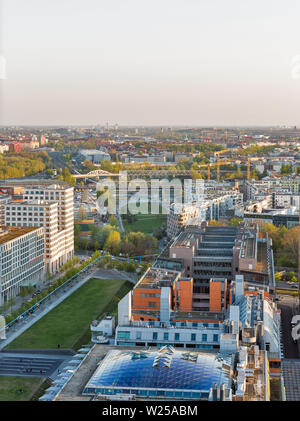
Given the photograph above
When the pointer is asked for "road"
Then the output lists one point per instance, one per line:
(287, 307)
(284, 285)
(59, 160)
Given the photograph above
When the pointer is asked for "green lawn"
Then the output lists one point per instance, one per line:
(9, 387)
(145, 223)
(286, 291)
(68, 323)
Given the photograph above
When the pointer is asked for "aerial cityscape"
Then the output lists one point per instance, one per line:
(146, 253)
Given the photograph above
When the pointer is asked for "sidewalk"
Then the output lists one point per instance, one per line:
(41, 284)
(23, 325)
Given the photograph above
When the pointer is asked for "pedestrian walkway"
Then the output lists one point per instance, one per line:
(34, 364)
(14, 331)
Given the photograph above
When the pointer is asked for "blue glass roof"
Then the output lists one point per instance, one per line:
(153, 369)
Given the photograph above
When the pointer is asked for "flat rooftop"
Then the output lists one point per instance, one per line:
(29, 202)
(186, 315)
(291, 375)
(11, 233)
(157, 278)
(50, 184)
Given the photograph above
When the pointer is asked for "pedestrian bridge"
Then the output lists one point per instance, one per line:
(95, 173)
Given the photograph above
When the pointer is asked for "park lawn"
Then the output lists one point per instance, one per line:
(69, 322)
(145, 223)
(286, 291)
(10, 385)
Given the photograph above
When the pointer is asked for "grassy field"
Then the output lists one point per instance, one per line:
(9, 387)
(145, 223)
(68, 323)
(286, 291)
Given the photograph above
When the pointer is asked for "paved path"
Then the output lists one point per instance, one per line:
(22, 326)
(33, 364)
(13, 332)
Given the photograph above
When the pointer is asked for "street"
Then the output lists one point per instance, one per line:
(288, 308)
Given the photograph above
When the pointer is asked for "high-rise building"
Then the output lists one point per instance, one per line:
(21, 259)
(50, 206)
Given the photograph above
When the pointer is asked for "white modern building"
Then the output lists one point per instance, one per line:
(21, 259)
(94, 155)
(51, 207)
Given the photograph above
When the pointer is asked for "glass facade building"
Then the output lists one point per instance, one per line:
(165, 372)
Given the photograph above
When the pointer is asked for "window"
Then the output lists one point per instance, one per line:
(124, 335)
(204, 337)
(138, 335)
(216, 338)
(193, 337)
(154, 336)
(177, 336)
(166, 336)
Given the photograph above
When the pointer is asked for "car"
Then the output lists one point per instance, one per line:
(295, 286)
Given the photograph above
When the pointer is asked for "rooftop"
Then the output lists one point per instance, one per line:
(11, 233)
(157, 278)
(163, 369)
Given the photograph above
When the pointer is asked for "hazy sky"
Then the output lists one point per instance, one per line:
(151, 62)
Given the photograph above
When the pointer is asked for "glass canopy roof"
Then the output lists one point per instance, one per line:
(162, 369)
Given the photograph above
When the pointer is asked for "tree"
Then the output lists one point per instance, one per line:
(214, 222)
(113, 221)
(290, 243)
(234, 221)
(113, 242)
(85, 243)
(277, 277)
(274, 233)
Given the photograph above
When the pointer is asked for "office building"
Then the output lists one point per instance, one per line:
(21, 259)
(50, 206)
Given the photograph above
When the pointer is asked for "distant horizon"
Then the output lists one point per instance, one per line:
(141, 126)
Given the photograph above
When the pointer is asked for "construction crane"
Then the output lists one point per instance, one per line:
(248, 166)
(217, 164)
(248, 170)
(218, 153)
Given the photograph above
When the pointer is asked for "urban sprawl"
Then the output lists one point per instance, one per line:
(189, 294)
